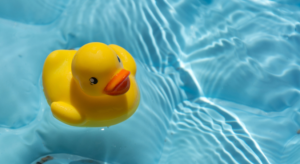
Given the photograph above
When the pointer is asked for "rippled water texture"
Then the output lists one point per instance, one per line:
(219, 81)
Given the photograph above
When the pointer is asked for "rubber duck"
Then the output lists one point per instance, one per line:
(92, 87)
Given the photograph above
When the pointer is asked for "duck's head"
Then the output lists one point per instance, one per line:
(98, 71)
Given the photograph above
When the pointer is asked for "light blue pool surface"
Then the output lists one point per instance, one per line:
(219, 81)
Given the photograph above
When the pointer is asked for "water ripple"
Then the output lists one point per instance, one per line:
(206, 133)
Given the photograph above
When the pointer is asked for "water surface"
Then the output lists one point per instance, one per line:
(219, 81)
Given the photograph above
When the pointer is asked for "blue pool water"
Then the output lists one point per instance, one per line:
(219, 80)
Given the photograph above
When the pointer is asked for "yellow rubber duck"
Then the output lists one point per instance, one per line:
(92, 87)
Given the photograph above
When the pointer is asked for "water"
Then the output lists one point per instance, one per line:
(219, 81)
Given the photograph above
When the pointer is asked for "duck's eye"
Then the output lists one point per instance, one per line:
(93, 81)
(119, 59)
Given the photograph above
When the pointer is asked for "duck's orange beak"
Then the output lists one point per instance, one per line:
(119, 84)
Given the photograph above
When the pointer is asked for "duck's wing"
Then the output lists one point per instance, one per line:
(67, 113)
(126, 58)
(56, 73)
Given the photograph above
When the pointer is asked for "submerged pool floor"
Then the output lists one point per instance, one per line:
(219, 81)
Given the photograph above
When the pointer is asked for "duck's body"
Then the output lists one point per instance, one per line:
(72, 105)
